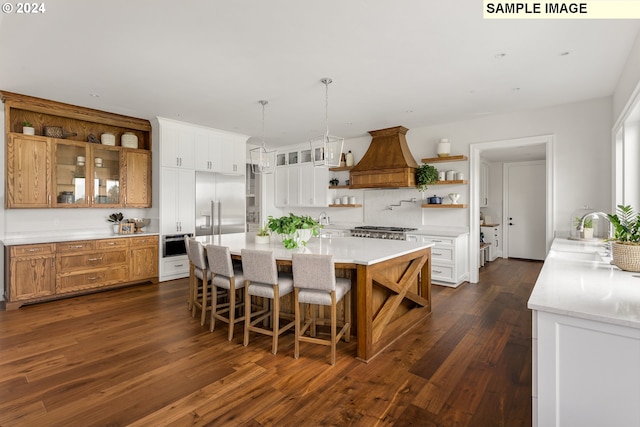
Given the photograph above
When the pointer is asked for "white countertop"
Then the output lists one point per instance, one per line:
(356, 250)
(422, 230)
(68, 237)
(576, 280)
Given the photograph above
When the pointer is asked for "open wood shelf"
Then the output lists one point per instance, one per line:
(331, 187)
(358, 205)
(444, 159)
(341, 168)
(454, 181)
(443, 206)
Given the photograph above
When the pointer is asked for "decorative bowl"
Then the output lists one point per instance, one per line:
(140, 223)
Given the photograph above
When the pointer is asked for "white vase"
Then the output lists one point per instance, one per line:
(262, 240)
(587, 233)
(444, 148)
(28, 130)
(116, 228)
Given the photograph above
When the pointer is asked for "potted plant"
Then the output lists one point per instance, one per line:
(28, 129)
(587, 232)
(425, 176)
(625, 247)
(116, 218)
(293, 229)
(262, 236)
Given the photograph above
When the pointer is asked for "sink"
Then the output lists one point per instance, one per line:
(580, 256)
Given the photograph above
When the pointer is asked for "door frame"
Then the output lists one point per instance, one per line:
(505, 202)
(475, 150)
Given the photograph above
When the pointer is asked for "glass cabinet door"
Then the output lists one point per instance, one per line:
(70, 183)
(106, 176)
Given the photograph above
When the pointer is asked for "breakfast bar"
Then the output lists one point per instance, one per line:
(392, 281)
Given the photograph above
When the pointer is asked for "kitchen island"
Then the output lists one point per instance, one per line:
(586, 339)
(391, 281)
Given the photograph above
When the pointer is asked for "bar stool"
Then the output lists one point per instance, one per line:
(226, 277)
(262, 280)
(198, 270)
(315, 283)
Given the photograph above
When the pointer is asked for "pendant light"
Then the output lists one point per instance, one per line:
(263, 161)
(326, 149)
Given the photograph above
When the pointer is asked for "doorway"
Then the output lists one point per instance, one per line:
(476, 151)
(524, 210)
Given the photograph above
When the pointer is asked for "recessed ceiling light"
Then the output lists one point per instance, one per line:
(516, 89)
(95, 95)
(565, 53)
(500, 55)
(408, 111)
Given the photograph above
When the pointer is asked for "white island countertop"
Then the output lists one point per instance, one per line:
(354, 250)
(578, 280)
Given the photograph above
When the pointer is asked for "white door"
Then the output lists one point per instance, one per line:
(525, 209)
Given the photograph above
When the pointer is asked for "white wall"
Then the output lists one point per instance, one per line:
(582, 154)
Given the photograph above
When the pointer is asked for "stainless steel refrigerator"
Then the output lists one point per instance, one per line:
(220, 203)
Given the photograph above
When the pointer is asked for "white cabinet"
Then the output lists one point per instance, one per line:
(177, 146)
(233, 153)
(493, 235)
(449, 258)
(177, 201)
(208, 150)
(299, 183)
(484, 184)
(585, 373)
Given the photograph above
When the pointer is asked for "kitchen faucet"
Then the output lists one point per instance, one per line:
(323, 219)
(580, 226)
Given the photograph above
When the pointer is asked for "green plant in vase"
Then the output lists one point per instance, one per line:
(625, 248)
(295, 230)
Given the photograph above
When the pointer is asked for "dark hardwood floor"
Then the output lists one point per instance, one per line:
(135, 356)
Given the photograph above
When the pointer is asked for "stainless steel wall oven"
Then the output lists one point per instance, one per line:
(173, 245)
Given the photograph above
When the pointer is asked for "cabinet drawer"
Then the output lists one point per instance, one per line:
(441, 241)
(144, 241)
(78, 246)
(442, 254)
(31, 250)
(442, 272)
(175, 265)
(91, 260)
(112, 243)
(93, 279)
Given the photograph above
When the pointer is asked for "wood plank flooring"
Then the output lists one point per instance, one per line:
(135, 357)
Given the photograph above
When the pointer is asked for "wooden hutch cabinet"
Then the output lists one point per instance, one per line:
(71, 170)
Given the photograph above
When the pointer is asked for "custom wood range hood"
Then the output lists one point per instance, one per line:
(388, 163)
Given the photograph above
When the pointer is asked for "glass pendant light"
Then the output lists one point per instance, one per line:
(263, 161)
(326, 149)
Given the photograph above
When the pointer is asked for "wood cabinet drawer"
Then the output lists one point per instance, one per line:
(32, 250)
(92, 260)
(77, 246)
(441, 241)
(112, 243)
(92, 279)
(144, 241)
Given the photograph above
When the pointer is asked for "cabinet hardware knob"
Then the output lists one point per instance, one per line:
(95, 259)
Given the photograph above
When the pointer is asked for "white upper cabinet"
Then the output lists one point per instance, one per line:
(234, 154)
(208, 151)
(298, 183)
(177, 146)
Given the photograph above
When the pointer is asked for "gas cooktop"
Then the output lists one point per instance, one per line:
(381, 228)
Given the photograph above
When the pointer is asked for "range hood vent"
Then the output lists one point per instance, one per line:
(388, 163)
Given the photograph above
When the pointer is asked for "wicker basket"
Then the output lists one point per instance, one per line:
(626, 257)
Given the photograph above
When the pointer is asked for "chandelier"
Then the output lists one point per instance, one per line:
(326, 149)
(263, 161)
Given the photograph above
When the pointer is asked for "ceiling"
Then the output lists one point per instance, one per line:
(412, 63)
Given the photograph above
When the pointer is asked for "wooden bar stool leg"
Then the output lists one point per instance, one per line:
(232, 308)
(275, 319)
(296, 351)
(247, 313)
